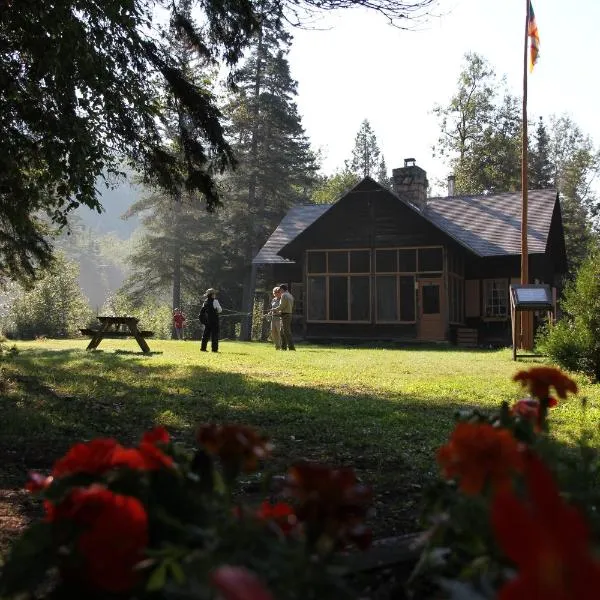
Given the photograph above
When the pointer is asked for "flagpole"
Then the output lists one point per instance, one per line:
(525, 322)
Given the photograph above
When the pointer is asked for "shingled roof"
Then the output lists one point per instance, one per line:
(488, 225)
(297, 219)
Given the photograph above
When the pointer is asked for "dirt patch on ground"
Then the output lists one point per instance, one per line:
(16, 511)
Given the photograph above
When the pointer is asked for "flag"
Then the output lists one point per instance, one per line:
(534, 37)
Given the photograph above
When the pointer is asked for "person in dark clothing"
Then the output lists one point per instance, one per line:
(209, 317)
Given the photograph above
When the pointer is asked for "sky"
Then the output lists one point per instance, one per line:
(356, 66)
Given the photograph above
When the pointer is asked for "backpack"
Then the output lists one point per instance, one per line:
(204, 315)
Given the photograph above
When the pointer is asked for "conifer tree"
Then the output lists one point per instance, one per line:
(276, 166)
(366, 153)
(382, 174)
(541, 170)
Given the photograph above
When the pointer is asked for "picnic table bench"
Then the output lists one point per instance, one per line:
(117, 327)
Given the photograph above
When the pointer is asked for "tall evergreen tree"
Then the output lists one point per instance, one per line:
(366, 153)
(276, 167)
(541, 169)
(169, 254)
(382, 174)
(576, 164)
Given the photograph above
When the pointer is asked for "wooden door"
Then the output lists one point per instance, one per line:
(431, 309)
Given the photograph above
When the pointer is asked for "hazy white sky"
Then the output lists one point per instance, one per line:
(361, 67)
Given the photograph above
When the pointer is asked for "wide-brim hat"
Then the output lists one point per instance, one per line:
(210, 291)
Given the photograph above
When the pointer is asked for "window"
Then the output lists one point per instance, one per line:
(360, 298)
(317, 299)
(495, 298)
(343, 291)
(456, 298)
(407, 261)
(387, 298)
(431, 298)
(431, 259)
(298, 293)
(337, 262)
(317, 262)
(387, 261)
(407, 298)
(395, 298)
(340, 284)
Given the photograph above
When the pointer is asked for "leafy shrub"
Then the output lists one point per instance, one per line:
(55, 306)
(574, 342)
(153, 315)
(162, 521)
(497, 525)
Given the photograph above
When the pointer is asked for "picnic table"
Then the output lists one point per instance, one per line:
(117, 327)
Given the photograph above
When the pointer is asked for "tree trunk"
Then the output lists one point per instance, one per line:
(176, 261)
(250, 283)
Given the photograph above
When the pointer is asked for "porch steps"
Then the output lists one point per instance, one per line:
(466, 337)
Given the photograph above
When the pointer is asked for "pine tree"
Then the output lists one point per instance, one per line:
(175, 233)
(541, 170)
(382, 175)
(276, 166)
(365, 154)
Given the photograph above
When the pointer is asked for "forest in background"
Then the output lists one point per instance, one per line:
(150, 251)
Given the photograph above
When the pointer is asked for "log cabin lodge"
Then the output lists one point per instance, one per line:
(395, 265)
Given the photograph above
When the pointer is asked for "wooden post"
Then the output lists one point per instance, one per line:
(525, 318)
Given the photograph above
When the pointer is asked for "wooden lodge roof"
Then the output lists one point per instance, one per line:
(297, 219)
(490, 225)
(487, 225)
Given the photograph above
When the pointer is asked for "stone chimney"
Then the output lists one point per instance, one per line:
(410, 183)
(451, 182)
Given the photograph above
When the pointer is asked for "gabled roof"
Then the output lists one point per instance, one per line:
(488, 225)
(295, 221)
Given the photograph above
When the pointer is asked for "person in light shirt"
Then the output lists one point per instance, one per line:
(286, 308)
(209, 317)
(275, 318)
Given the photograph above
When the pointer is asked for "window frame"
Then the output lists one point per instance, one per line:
(339, 274)
(372, 275)
(491, 315)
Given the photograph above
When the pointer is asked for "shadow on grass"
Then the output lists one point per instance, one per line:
(60, 397)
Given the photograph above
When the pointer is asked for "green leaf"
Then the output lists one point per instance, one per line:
(157, 580)
(177, 572)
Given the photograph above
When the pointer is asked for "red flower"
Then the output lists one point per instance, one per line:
(280, 513)
(236, 445)
(539, 380)
(158, 435)
(101, 455)
(478, 453)
(548, 541)
(114, 535)
(238, 583)
(331, 502)
(93, 457)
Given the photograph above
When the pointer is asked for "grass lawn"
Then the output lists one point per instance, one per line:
(384, 411)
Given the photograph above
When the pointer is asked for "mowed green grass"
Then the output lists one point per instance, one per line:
(384, 410)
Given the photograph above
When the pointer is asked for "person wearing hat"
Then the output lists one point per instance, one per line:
(209, 317)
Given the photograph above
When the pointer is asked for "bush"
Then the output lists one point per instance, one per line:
(160, 521)
(497, 524)
(55, 306)
(574, 342)
(153, 315)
